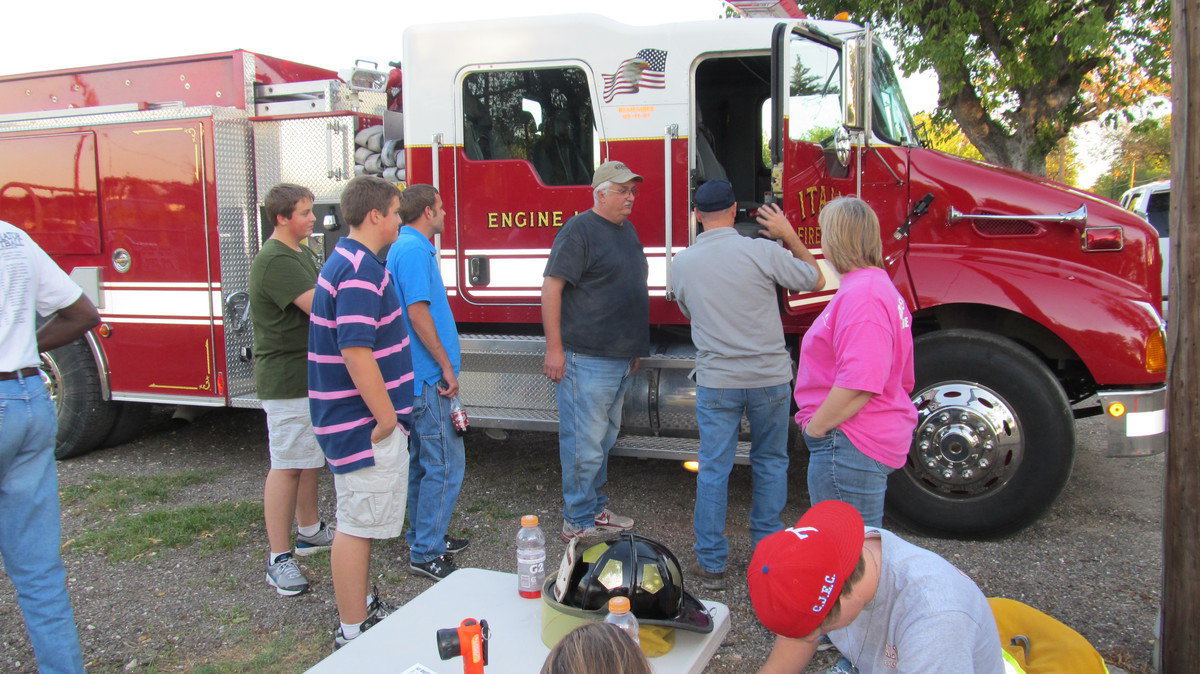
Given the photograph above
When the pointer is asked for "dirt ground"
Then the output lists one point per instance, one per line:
(190, 595)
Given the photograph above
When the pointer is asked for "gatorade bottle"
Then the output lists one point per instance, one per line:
(531, 558)
(619, 615)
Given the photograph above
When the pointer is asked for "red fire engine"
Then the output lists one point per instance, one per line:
(1034, 304)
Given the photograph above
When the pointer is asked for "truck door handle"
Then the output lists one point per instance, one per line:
(479, 271)
(237, 309)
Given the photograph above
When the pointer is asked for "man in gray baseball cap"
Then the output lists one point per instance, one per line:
(596, 315)
(614, 172)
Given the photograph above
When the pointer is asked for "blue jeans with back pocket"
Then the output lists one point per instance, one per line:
(30, 527)
(838, 471)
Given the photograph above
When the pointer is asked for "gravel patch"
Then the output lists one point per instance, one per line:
(1094, 561)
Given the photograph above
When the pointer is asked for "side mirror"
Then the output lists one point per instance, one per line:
(856, 82)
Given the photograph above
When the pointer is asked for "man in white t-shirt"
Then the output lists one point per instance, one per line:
(30, 530)
(888, 605)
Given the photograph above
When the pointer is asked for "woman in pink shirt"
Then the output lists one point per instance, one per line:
(856, 369)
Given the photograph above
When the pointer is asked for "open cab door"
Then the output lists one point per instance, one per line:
(823, 143)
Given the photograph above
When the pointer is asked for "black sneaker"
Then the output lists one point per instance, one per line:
(377, 610)
(436, 568)
(454, 545)
(340, 639)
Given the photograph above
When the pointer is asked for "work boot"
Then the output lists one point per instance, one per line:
(713, 581)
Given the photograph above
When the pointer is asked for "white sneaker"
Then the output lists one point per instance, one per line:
(609, 521)
(569, 532)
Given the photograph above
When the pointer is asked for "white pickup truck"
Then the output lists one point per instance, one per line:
(1152, 201)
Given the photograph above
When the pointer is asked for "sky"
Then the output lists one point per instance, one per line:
(319, 34)
(326, 34)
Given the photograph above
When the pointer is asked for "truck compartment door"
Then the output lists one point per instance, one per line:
(162, 307)
(48, 188)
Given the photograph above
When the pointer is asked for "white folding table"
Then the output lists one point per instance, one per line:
(405, 641)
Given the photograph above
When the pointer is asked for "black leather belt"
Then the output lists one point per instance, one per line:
(19, 374)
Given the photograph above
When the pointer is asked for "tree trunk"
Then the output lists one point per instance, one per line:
(1180, 645)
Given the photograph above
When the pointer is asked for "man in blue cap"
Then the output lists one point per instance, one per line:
(725, 283)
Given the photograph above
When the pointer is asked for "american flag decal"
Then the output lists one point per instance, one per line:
(644, 70)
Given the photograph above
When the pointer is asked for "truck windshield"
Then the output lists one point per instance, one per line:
(892, 121)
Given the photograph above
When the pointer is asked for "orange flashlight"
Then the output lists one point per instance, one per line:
(468, 640)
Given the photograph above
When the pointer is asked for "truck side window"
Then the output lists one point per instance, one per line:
(541, 115)
(1158, 211)
(814, 91)
(892, 121)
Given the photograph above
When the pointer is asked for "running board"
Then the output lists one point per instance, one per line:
(675, 449)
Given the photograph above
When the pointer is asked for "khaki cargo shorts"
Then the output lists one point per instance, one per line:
(290, 436)
(371, 500)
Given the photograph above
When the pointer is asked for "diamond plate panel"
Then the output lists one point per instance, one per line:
(237, 229)
(513, 382)
(673, 449)
(316, 152)
(502, 380)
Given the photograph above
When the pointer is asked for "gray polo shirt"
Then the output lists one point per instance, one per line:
(725, 283)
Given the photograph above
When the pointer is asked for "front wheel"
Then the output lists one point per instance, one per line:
(84, 417)
(995, 438)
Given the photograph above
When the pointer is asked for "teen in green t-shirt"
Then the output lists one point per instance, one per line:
(282, 279)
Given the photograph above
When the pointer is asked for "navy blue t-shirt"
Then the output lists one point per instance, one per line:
(606, 302)
(355, 304)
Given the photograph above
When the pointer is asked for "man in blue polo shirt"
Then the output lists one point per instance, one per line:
(436, 456)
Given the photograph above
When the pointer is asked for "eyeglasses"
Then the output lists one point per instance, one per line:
(624, 191)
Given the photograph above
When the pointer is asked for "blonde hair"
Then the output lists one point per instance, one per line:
(596, 648)
(850, 235)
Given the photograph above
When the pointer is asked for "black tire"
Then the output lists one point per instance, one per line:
(84, 418)
(129, 422)
(998, 434)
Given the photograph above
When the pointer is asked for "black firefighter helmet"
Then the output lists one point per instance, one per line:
(639, 568)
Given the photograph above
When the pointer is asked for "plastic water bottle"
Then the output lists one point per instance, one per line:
(459, 416)
(531, 558)
(620, 615)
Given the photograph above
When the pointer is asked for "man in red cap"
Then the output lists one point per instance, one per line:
(888, 605)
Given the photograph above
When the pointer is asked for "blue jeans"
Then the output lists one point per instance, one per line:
(719, 413)
(30, 529)
(837, 471)
(590, 397)
(436, 465)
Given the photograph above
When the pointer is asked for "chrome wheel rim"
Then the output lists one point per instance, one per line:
(52, 378)
(967, 443)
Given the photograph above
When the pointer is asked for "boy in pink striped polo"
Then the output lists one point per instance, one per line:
(361, 394)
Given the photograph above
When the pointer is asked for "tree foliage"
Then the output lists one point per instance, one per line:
(1062, 163)
(1142, 153)
(946, 136)
(1018, 75)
